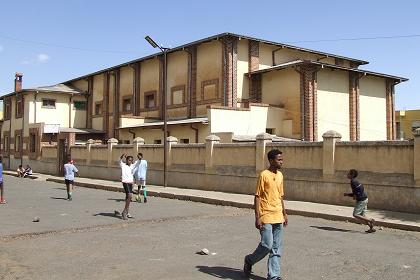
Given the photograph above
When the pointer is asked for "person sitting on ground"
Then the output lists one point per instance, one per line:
(359, 194)
(28, 171)
(20, 171)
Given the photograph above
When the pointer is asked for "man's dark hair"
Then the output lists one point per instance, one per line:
(273, 153)
(353, 173)
(129, 157)
(20, 166)
(140, 154)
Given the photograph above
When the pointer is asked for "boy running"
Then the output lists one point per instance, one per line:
(69, 171)
(358, 193)
(127, 180)
(140, 171)
(2, 199)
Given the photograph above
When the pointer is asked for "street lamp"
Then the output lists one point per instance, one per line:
(165, 118)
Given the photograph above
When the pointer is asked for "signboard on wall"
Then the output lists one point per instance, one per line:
(51, 128)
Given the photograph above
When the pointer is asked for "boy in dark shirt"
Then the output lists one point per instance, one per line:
(358, 193)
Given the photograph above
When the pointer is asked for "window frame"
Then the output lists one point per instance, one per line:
(81, 102)
(205, 83)
(146, 95)
(175, 89)
(130, 101)
(49, 106)
(98, 103)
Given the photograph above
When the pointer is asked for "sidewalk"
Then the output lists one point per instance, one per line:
(390, 219)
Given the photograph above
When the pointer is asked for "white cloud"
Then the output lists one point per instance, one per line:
(42, 57)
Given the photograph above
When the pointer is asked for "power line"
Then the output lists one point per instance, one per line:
(355, 39)
(128, 52)
(63, 46)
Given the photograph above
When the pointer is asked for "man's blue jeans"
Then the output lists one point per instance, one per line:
(271, 242)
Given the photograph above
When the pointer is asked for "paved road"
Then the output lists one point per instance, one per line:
(81, 240)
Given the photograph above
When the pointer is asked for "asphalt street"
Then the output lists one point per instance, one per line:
(82, 239)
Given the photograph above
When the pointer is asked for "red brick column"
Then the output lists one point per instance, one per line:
(192, 81)
(253, 65)
(308, 102)
(390, 111)
(230, 62)
(89, 102)
(161, 85)
(136, 93)
(116, 111)
(105, 105)
(354, 106)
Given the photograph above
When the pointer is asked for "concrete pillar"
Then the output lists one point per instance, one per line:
(260, 155)
(417, 157)
(89, 144)
(170, 141)
(138, 141)
(111, 142)
(210, 141)
(328, 165)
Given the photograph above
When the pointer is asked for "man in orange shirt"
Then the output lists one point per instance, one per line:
(270, 217)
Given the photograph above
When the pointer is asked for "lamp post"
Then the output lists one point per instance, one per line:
(165, 118)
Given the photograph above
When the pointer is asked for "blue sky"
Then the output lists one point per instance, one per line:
(54, 41)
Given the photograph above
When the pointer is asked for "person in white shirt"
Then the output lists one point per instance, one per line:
(140, 171)
(127, 180)
(69, 171)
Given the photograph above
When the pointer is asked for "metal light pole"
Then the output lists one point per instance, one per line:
(165, 118)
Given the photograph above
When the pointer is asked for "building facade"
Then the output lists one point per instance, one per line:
(226, 84)
(407, 122)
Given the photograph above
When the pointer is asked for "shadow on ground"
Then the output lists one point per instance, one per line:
(117, 199)
(60, 198)
(334, 229)
(226, 272)
(105, 214)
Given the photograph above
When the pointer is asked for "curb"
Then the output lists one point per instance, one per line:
(241, 205)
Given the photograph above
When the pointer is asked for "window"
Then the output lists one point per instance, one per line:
(17, 143)
(19, 107)
(400, 133)
(185, 141)
(210, 89)
(32, 143)
(150, 99)
(6, 144)
(126, 104)
(177, 95)
(98, 108)
(157, 141)
(80, 105)
(269, 130)
(48, 103)
(7, 111)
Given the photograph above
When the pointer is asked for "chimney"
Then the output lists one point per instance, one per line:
(18, 81)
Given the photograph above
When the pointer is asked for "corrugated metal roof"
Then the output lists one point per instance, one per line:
(59, 88)
(327, 65)
(216, 37)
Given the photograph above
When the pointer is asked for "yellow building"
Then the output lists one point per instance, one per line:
(407, 122)
(227, 84)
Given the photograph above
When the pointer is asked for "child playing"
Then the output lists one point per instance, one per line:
(2, 200)
(69, 171)
(127, 180)
(140, 171)
(358, 193)
(20, 171)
